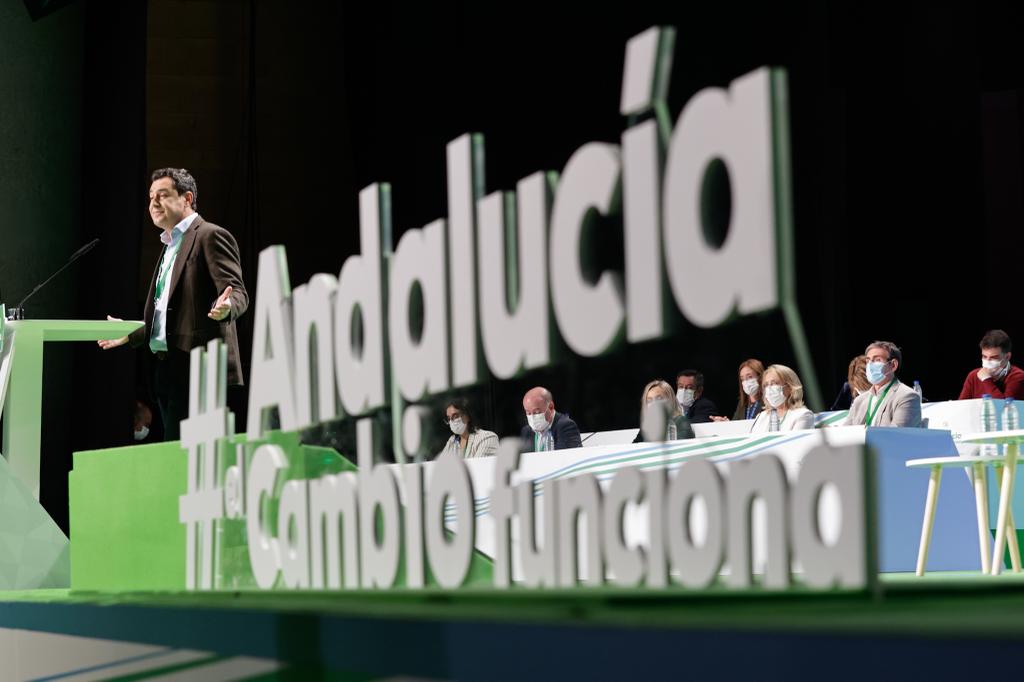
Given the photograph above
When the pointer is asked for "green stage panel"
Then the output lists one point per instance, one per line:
(124, 518)
(125, 530)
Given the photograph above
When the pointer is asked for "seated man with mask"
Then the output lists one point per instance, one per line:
(996, 376)
(547, 429)
(888, 402)
(690, 395)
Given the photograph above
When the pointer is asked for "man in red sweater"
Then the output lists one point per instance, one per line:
(996, 376)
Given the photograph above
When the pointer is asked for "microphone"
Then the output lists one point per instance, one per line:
(84, 250)
(18, 313)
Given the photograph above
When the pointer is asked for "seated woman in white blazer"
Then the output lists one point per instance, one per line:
(783, 394)
(467, 439)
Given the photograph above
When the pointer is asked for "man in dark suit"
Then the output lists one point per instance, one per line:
(546, 428)
(195, 295)
(690, 395)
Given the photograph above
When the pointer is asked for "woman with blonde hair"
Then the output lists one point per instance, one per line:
(783, 402)
(658, 392)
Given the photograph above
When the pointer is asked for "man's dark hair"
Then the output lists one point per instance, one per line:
(698, 377)
(996, 338)
(183, 182)
(889, 347)
(462, 405)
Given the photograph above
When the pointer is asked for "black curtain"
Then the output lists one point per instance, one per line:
(103, 386)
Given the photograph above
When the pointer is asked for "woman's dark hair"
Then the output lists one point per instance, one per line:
(462, 405)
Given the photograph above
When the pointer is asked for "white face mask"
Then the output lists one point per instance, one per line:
(750, 386)
(538, 422)
(685, 396)
(994, 367)
(141, 433)
(457, 426)
(875, 372)
(775, 395)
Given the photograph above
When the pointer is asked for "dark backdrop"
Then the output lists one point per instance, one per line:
(906, 150)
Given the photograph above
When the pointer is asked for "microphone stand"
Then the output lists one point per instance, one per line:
(18, 312)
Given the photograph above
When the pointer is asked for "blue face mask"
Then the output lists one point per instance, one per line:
(875, 372)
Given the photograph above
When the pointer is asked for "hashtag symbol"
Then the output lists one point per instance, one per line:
(208, 423)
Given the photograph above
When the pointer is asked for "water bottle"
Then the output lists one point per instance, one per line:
(1011, 420)
(773, 420)
(547, 442)
(670, 431)
(918, 391)
(988, 423)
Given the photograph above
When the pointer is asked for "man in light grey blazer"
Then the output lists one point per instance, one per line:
(888, 402)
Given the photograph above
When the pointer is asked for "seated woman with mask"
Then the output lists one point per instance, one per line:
(467, 439)
(783, 402)
(750, 400)
(749, 404)
(659, 393)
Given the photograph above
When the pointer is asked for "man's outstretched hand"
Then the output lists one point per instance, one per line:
(107, 344)
(221, 307)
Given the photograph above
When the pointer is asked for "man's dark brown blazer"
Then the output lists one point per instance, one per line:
(207, 263)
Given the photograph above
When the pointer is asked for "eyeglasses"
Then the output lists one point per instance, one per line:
(446, 419)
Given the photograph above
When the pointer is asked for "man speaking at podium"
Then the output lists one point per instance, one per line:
(195, 295)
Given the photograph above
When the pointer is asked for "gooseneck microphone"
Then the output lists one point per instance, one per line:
(18, 313)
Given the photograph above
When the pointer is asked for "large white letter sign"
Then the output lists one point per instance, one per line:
(358, 313)
(696, 566)
(334, 531)
(465, 186)
(503, 509)
(645, 78)
(450, 559)
(270, 382)
(264, 548)
(420, 364)
(381, 544)
(733, 128)
(761, 477)
(589, 316)
(208, 422)
(850, 562)
(514, 328)
(626, 563)
(315, 395)
(293, 534)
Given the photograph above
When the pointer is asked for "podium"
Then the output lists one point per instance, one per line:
(21, 383)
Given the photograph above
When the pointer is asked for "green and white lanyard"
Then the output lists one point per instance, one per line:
(881, 399)
(164, 274)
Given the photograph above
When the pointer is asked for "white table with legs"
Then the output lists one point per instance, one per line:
(1004, 521)
(977, 466)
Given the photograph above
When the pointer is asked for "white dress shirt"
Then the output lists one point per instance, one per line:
(172, 241)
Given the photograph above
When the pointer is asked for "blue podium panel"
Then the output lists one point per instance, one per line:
(901, 497)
